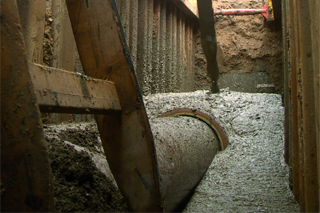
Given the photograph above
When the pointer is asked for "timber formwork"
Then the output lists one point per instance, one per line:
(301, 25)
(161, 47)
(120, 113)
(160, 38)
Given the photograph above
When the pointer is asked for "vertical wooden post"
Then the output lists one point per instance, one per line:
(301, 101)
(32, 16)
(315, 35)
(125, 18)
(133, 34)
(25, 171)
(64, 48)
(311, 185)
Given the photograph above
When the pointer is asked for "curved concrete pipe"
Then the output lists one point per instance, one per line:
(185, 147)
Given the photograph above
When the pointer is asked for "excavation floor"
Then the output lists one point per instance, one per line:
(251, 174)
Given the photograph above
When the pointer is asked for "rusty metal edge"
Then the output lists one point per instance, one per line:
(217, 129)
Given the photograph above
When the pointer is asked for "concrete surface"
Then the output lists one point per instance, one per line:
(185, 147)
(251, 174)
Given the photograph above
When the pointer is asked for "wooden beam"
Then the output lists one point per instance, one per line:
(189, 7)
(32, 20)
(26, 184)
(62, 91)
(127, 138)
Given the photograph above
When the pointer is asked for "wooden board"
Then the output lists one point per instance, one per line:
(126, 137)
(188, 7)
(69, 92)
(25, 170)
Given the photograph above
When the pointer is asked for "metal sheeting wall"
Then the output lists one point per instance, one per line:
(160, 39)
(301, 25)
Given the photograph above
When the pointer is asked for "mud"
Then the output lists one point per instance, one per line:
(82, 180)
(248, 45)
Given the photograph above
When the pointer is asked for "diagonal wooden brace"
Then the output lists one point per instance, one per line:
(126, 137)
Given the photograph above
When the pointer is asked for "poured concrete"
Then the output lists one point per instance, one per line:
(185, 148)
(251, 174)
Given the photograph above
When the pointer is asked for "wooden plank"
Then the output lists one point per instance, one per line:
(26, 184)
(64, 47)
(315, 34)
(311, 185)
(64, 54)
(32, 16)
(125, 18)
(126, 137)
(133, 34)
(62, 91)
(188, 7)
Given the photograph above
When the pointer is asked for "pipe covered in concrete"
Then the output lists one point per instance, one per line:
(185, 147)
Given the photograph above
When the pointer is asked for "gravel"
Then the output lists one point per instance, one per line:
(251, 174)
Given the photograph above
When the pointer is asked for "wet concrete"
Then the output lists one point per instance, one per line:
(251, 174)
(185, 148)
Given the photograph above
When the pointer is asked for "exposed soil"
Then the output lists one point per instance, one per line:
(246, 44)
(82, 180)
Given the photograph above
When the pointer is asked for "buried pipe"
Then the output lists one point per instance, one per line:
(185, 148)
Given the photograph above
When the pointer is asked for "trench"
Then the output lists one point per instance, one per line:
(250, 175)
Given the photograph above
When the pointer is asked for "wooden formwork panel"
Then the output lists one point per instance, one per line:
(301, 70)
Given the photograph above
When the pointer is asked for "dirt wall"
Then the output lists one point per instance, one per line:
(249, 50)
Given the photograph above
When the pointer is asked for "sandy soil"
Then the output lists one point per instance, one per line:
(247, 44)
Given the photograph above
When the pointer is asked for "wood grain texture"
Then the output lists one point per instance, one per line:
(188, 7)
(69, 92)
(32, 20)
(25, 171)
(301, 39)
(126, 137)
